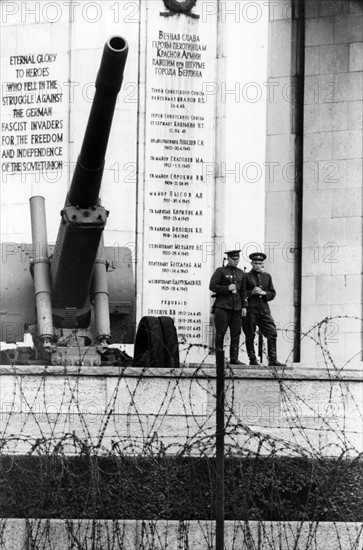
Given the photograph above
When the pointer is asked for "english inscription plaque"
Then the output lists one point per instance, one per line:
(33, 126)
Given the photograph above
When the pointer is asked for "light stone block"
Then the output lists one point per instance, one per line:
(168, 396)
(315, 400)
(122, 534)
(59, 34)
(346, 203)
(283, 276)
(36, 432)
(354, 358)
(310, 233)
(312, 316)
(348, 87)
(356, 56)
(284, 318)
(347, 320)
(280, 55)
(337, 174)
(280, 228)
(330, 290)
(101, 534)
(354, 231)
(333, 116)
(318, 146)
(313, 173)
(280, 149)
(353, 289)
(9, 35)
(279, 10)
(46, 533)
(13, 534)
(308, 292)
(349, 28)
(319, 31)
(321, 88)
(310, 352)
(259, 405)
(279, 113)
(317, 204)
(38, 36)
(336, 8)
(355, 114)
(347, 144)
(334, 58)
(94, 21)
(311, 119)
(350, 261)
(127, 433)
(331, 235)
(180, 429)
(312, 9)
(312, 60)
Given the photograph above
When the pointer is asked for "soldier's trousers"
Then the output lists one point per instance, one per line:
(265, 323)
(224, 319)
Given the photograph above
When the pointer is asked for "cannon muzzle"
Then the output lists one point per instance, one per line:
(86, 182)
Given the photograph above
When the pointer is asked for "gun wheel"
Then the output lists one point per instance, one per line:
(149, 343)
(171, 344)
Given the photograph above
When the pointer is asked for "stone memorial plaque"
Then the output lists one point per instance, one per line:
(179, 140)
(33, 115)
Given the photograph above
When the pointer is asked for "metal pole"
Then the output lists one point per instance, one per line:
(260, 346)
(220, 452)
(298, 131)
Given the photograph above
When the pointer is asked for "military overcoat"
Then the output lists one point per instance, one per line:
(219, 283)
(259, 304)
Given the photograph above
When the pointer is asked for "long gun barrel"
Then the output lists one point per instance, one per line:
(83, 218)
(87, 176)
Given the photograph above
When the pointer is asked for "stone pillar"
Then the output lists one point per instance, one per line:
(332, 181)
(280, 182)
(332, 228)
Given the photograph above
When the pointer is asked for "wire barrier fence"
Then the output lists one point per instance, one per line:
(85, 455)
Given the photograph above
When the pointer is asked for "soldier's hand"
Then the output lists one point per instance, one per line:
(259, 291)
(232, 287)
(244, 312)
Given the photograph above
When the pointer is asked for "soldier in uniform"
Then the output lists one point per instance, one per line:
(260, 290)
(228, 285)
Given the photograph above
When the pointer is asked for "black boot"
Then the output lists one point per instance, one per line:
(250, 347)
(236, 361)
(233, 353)
(272, 355)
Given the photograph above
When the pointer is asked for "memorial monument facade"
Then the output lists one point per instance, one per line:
(167, 177)
(208, 87)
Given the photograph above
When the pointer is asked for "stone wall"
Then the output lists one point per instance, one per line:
(288, 413)
(332, 176)
(19, 534)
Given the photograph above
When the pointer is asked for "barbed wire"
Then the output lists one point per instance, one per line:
(142, 450)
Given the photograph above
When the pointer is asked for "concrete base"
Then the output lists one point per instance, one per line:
(21, 534)
(285, 411)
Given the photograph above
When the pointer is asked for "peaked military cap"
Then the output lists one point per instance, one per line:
(234, 254)
(257, 256)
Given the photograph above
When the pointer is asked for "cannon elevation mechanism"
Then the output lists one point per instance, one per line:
(77, 298)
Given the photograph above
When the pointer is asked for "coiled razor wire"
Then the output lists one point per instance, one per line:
(170, 443)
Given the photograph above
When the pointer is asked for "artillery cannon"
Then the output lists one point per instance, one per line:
(79, 302)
